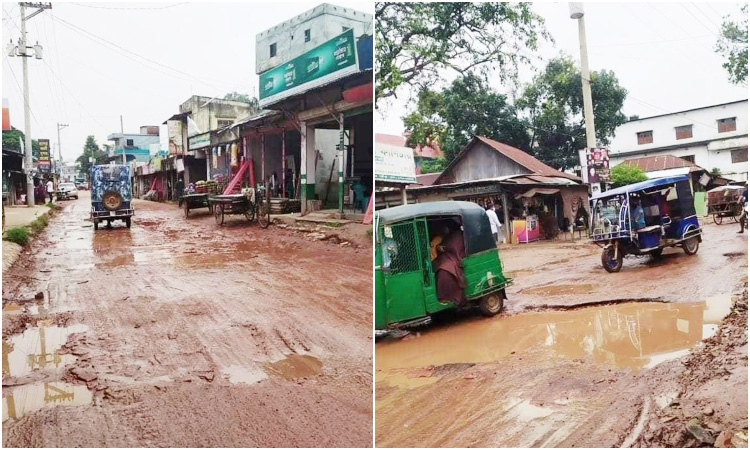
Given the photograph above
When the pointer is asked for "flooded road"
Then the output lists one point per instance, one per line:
(180, 333)
(548, 372)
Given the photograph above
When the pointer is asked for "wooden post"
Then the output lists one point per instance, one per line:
(263, 159)
(506, 216)
(245, 154)
(283, 163)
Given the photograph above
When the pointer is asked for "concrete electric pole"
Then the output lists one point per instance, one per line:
(22, 51)
(576, 12)
(60, 126)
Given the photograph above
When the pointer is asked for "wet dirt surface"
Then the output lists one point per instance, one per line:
(180, 333)
(549, 372)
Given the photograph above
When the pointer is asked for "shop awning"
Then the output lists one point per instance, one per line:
(534, 191)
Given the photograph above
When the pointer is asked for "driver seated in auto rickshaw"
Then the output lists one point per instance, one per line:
(448, 267)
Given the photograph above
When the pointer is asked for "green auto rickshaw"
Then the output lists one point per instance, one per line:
(406, 292)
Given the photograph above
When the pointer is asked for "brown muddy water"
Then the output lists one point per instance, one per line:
(633, 335)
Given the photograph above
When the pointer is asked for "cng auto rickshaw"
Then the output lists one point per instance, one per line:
(405, 282)
(111, 194)
(643, 219)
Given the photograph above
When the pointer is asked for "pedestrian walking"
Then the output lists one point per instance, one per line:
(743, 215)
(494, 222)
(50, 189)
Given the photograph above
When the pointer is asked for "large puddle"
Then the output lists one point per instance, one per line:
(634, 335)
(22, 400)
(295, 366)
(37, 348)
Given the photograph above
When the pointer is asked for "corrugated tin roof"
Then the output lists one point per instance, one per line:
(658, 162)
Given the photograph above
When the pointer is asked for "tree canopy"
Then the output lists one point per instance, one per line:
(90, 150)
(624, 174)
(238, 97)
(553, 103)
(417, 40)
(12, 141)
(732, 44)
(468, 107)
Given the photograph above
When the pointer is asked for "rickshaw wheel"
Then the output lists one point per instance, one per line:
(491, 304)
(717, 219)
(610, 263)
(187, 210)
(96, 224)
(656, 254)
(219, 214)
(263, 215)
(690, 246)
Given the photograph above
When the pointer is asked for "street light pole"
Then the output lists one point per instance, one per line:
(576, 12)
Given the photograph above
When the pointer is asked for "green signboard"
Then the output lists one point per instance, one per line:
(199, 141)
(322, 61)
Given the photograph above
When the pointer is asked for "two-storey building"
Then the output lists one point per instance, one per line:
(713, 137)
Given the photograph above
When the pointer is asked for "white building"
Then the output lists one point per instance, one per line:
(306, 31)
(713, 137)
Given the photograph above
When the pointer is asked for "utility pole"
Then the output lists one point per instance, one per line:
(60, 126)
(22, 51)
(576, 12)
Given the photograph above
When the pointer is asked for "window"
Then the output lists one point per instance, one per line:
(128, 143)
(307, 35)
(683, 132)
(729, 124)
(690, 158)
(273, 50)
(739, 155)
(645, 137)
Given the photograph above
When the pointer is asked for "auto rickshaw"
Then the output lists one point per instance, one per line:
(111, 194)
(668, 220)
(405, 281)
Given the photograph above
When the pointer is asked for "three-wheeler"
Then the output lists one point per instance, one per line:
(406, 291)
(643, 219)
(111, 194)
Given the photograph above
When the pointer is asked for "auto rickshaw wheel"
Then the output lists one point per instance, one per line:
(219, 214)
(491, 304)
(96, 224)
(111, 201)
(610, 263)
(127, 222)
(690, 246)
(656, 254)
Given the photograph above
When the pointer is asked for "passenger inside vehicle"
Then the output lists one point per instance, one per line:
(448, 264)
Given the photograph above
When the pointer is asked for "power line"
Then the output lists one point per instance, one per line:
(653, 42)
(57, 56)
(678, 26)
(666, 111)
(192, 77)
(140, 9)
(53, 93)
(18, 85)
(707, 18)
(697, 19)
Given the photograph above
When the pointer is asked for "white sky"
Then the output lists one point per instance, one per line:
(207, 48)
(662, 53)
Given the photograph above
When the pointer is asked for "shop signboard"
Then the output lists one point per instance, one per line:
(6, 116)
(174, 130)
(327, 62)
(597, 165)
(199, 141)
(394, 164)
(43, 163)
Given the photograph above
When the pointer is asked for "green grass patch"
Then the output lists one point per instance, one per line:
(39, 223)
(50, 205)
(19, 235)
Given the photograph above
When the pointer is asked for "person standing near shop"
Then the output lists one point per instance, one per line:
(50, 189)
(494, 222)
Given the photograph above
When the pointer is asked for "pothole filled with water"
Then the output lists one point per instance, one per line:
(22, 400)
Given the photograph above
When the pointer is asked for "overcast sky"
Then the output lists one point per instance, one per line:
(84, 81)
(662, 53)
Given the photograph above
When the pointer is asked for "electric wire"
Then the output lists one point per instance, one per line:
(696, 18)
(20, 90)
(130, 8)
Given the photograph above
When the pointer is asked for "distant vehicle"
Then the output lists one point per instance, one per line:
(66, 191)
(83, 186)
(111, 194)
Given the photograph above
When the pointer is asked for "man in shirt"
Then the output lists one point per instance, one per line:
(638, 215)
(50, 189)
(494, 222)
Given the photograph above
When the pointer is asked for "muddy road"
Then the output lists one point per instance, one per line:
(180, 333)
(553, 372)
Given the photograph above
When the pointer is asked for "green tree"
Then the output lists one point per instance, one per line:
(623, 174)
(415, 41)
(732, 44)
(432, 165)
(468, 107)
(553, 102)
(237, 97)
(12, 141)
(90, 150)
